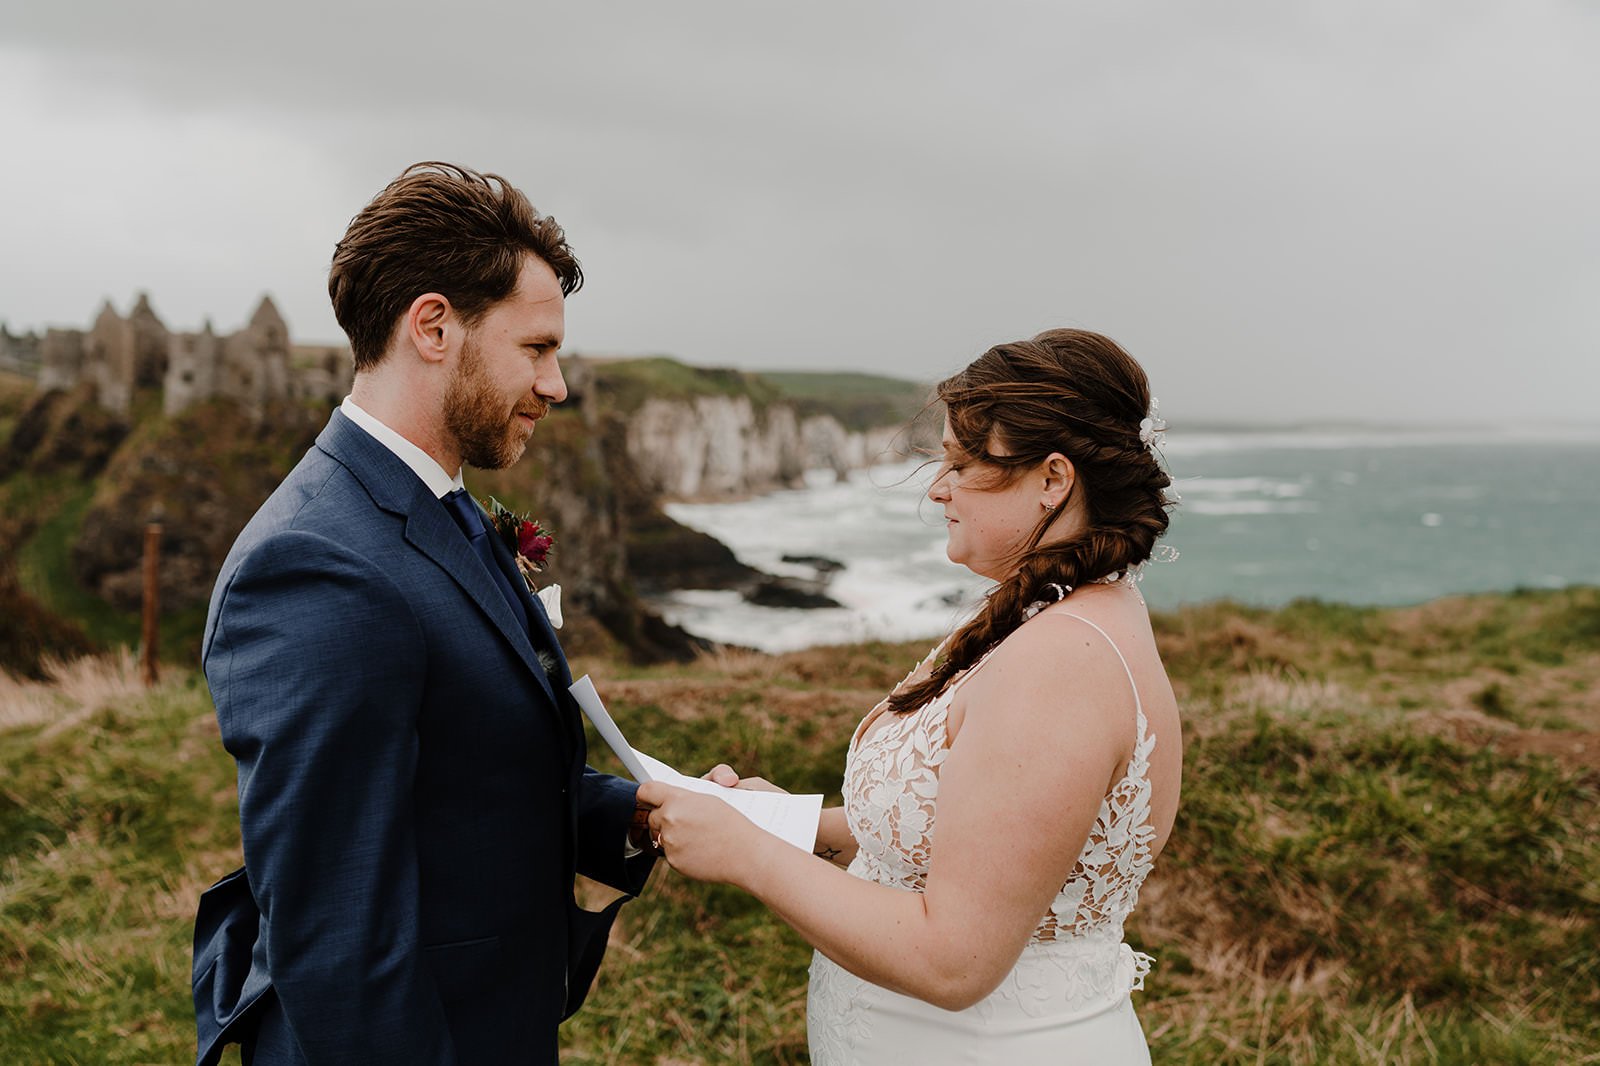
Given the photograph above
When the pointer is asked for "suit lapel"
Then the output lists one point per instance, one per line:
(542, 633)
(433, 532)
(430, 529)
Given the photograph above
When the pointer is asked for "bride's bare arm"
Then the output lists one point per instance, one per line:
(1048, 721)
(834, 841)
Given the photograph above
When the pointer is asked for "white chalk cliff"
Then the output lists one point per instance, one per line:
(717, 446)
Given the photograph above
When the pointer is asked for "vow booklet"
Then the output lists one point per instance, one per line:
(790, 818)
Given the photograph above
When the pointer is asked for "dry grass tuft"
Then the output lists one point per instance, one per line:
(1289, 692)
(73, 692)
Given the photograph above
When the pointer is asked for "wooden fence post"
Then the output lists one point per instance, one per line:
(151, 634)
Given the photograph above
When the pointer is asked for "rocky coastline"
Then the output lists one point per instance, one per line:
(633, 434)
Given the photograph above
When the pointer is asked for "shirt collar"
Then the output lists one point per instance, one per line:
(421, 463)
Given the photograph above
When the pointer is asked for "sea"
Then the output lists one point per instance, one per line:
(1357, 516)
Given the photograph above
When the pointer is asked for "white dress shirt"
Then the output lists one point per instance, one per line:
(421, 463)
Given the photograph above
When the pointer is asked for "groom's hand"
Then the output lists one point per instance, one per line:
(702, 836)
(639, 834)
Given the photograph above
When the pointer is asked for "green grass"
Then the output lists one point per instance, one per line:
(858, 401)
(109, 828)
(823, 384)
(628, 383)
(44, 569)
(1368, 867)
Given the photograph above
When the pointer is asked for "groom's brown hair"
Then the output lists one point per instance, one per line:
(441, 228)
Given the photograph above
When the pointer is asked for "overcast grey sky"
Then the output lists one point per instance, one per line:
(1368, 208)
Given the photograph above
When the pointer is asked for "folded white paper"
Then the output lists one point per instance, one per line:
(790, 818)
(589, 701)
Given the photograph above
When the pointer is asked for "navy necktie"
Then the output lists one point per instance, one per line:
(469, 516)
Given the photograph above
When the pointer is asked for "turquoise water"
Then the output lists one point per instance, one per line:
(1356, 517)
(1382, 523)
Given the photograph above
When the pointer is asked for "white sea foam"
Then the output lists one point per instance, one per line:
(1206, 442)
(896, 583)
(1362, 527)
(1240, 486)
(1238, 507)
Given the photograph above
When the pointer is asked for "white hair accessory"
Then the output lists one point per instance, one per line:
(1153, 428)
(1061, 591)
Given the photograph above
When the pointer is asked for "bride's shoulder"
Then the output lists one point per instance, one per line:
(1057, 649)
(1095, 630)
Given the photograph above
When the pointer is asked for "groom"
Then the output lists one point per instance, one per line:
(413, 798)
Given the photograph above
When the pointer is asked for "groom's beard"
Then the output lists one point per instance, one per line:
(483, 422)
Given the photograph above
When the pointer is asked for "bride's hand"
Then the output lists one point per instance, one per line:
(721, 774)
(760, 784)
(724, 775)
(702, 836)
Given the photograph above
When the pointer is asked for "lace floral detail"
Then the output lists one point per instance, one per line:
(891, 790)
(1074, 974)
(891, 786)
(837, 1020)
(1142, 964)
(1066, 978)
(1104, 885)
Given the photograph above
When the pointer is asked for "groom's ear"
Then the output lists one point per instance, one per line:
(430, 324)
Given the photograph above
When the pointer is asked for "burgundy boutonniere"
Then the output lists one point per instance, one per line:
(528, 541)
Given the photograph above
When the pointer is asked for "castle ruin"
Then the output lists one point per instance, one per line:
(19, 352)
(254, 367)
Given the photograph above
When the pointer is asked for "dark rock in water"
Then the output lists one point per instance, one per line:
(612, 540)
(788, 592)
(664, 555)
(820, 563)
(643, 634)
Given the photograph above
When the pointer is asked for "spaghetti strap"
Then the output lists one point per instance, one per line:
(969, 671)
(1138, 704)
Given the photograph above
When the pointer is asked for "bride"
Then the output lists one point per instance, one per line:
(1003, 805)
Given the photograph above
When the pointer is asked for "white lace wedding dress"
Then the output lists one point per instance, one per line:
(1067, 999)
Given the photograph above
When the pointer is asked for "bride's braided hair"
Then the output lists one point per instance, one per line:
(1067, 391)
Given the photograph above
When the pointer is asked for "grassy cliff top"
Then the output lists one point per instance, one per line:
(858, 401)
(827, 384)
(628, 383)
(1388, 849)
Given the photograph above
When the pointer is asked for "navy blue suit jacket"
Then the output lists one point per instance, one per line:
(413, 798)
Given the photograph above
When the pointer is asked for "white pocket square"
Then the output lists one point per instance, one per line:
(550, 596)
